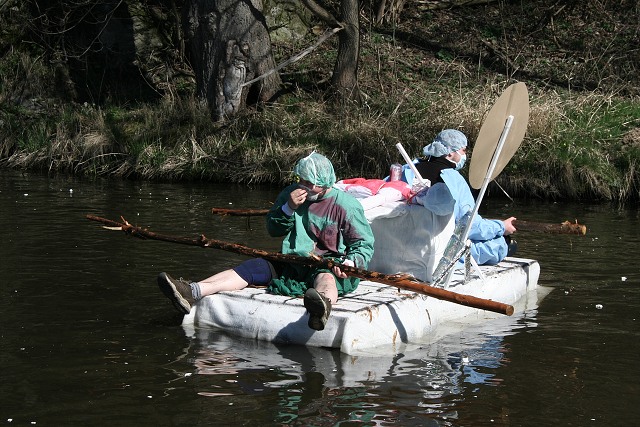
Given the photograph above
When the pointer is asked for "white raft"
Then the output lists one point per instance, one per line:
(376, 317)
(478, 343)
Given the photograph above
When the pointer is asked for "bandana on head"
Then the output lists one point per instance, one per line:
(316, 169)
(447, 141)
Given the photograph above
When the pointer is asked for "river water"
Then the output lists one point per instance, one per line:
(87, 339)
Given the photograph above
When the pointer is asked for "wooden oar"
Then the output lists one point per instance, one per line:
(565, 227)
(399, 281)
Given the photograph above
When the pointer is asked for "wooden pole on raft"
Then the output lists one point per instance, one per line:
(398, 281)
(565, 227)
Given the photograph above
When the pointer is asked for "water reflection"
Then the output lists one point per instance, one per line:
(320, 386)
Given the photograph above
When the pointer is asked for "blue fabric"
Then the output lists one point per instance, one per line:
(488, 245)
(255, 271)
(447, 141)
(438, 199)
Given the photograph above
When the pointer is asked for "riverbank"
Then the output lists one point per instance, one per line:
(577, 146)
(582, 142)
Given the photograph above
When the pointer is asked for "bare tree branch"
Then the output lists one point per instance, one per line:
(321, 13)
(328, 33)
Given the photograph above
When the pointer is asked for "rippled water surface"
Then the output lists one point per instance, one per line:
(87, 339)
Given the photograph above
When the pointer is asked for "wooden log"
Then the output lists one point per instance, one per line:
(565, 227)
(399, 281)
(239, 212)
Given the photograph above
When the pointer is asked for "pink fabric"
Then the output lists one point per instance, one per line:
(375, 185)
(401, 186)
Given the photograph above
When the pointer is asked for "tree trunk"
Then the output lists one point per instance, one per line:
(345, 72)
(230, 45)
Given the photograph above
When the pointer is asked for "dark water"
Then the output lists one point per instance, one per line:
(87, 339)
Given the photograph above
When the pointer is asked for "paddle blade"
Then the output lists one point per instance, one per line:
(514, 101)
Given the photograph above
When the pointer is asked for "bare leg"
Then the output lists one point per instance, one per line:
(227, 280)
(325, 284)
(318, 300)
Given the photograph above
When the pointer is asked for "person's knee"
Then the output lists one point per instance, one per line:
(326, 284)
(255, 271)
(326, 279)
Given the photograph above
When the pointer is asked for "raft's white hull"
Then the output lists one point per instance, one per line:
(375, 318)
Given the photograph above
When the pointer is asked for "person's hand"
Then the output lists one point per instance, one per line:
(338, 272)
(297, 198)
(509, 228)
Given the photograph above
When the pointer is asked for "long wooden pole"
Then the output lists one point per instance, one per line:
(565, 227)
(399, 281)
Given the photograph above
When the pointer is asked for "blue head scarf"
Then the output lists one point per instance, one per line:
(447, 141)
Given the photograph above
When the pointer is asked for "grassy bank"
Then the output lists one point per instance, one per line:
(582, 142)
(578, 145)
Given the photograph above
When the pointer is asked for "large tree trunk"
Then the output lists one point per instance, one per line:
(230, 45)
(345, 72)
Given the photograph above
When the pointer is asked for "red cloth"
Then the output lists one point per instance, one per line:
(375, 185)
(401, 186)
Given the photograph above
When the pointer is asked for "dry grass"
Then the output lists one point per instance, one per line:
(571, 148)
(416, 82)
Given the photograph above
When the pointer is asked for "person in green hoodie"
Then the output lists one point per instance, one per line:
(315, 219)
